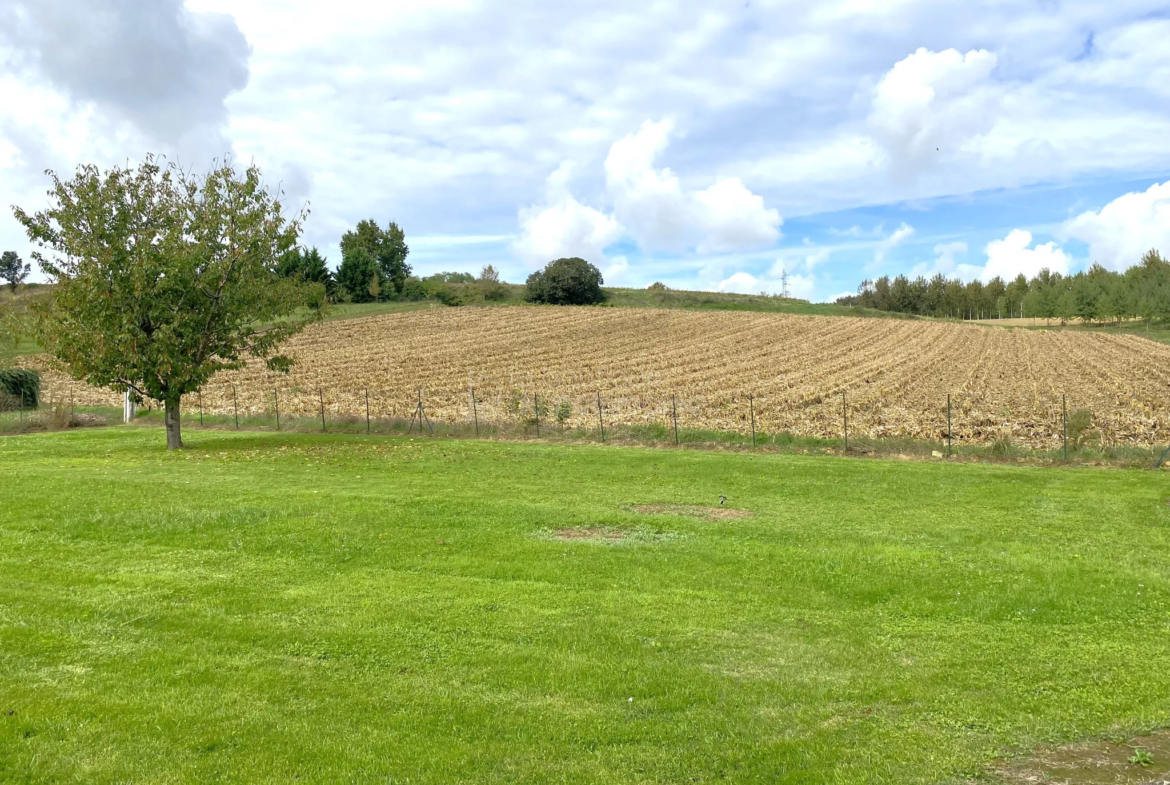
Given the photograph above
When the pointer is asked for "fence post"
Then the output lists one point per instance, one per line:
(674, 416)
(600, 419)
(22, 409)
(474, 410)
(236, 407)
(321, 396)
(367, 410)
(1064, 421)
(72, 416)
(536, 412)
(1158, 465)
(845, 420)
(948, 423)
(276, 397)
(752, 409)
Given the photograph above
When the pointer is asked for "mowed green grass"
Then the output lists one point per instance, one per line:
(270, 608)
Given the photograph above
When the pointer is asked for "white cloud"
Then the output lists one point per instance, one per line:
(661, 215)
(735, 219)
(1121, 231)
(564, 227)
(897, 237)
(799, 286)
(930, 102)
(1013, 255)
(617, 272)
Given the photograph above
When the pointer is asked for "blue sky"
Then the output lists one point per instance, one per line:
(708, 145)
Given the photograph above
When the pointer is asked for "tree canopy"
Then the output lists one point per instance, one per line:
(1094, 295)
(571, 281)
(387, 247)
(13, 269)
(163, 278)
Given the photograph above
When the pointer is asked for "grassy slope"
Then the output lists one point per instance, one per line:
(264, 607)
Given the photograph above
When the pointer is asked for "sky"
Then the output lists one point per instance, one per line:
(707, 145)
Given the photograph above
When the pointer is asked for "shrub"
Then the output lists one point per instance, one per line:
(1002, 445)
(17, 384)
(571, 281)
(413, 290)
(563, 412)
(1079, 423)
(657, 286)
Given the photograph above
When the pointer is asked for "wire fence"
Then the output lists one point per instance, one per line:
(953, 421)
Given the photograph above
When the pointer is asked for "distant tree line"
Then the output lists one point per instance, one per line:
(1095, 295)
(374, 269)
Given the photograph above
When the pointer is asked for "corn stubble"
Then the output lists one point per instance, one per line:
(896, 374)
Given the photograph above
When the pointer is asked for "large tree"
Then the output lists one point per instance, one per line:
(571, 281)
(163, 278)
(386, 246)
(13, 269)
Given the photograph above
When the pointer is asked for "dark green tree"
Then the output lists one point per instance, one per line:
(13, 269)
(571, 281)
(386, 246)
(310, 266)
(161, 279)
(358, 270)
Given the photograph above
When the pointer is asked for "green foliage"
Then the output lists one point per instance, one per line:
(563, 412)
(387, 247)
(1095, 295)
(1141, 757)
(450, 278)
(413, 290)
(308, 265)
(19, 387)
(571, 281)
(13, 269)
(1080, 421)
(358, 268)
(490, 287)
(657, 286)
(162, 278)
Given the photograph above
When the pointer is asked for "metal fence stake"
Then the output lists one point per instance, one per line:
(201, 407)
(1064, 420)
(474, 411)
(674, 416)
(236, 407)
(948, 424)
(752, 409)
(321, 396)
(536, 412)
(600, 419)
(845, 420)
(276, 397)
(367, 410)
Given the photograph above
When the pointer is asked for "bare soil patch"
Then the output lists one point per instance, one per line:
(692, 511)
(590, 533)
(1095, 763)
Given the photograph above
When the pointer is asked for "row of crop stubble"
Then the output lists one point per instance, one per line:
(896, 375)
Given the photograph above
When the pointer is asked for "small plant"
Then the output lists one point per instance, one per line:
(1002, 445)
(1141, 757)
(657, 286)
(563, 412)
(1079, 423)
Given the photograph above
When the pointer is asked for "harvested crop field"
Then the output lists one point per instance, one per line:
(895, 375)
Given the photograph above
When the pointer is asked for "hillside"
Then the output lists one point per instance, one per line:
(895, 375)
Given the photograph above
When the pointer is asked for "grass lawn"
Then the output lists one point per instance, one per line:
(322, 609)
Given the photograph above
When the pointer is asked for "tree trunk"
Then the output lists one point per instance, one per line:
(171, 418)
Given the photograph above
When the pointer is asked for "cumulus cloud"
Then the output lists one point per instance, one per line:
(649, 205)
(928, 104)
(661, 215)
(1014, 255)
(1121, 231)
(562, 226)
(153, 63)
(799, 286)
(890, 241)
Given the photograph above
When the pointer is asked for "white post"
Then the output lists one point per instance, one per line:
(128, 408)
